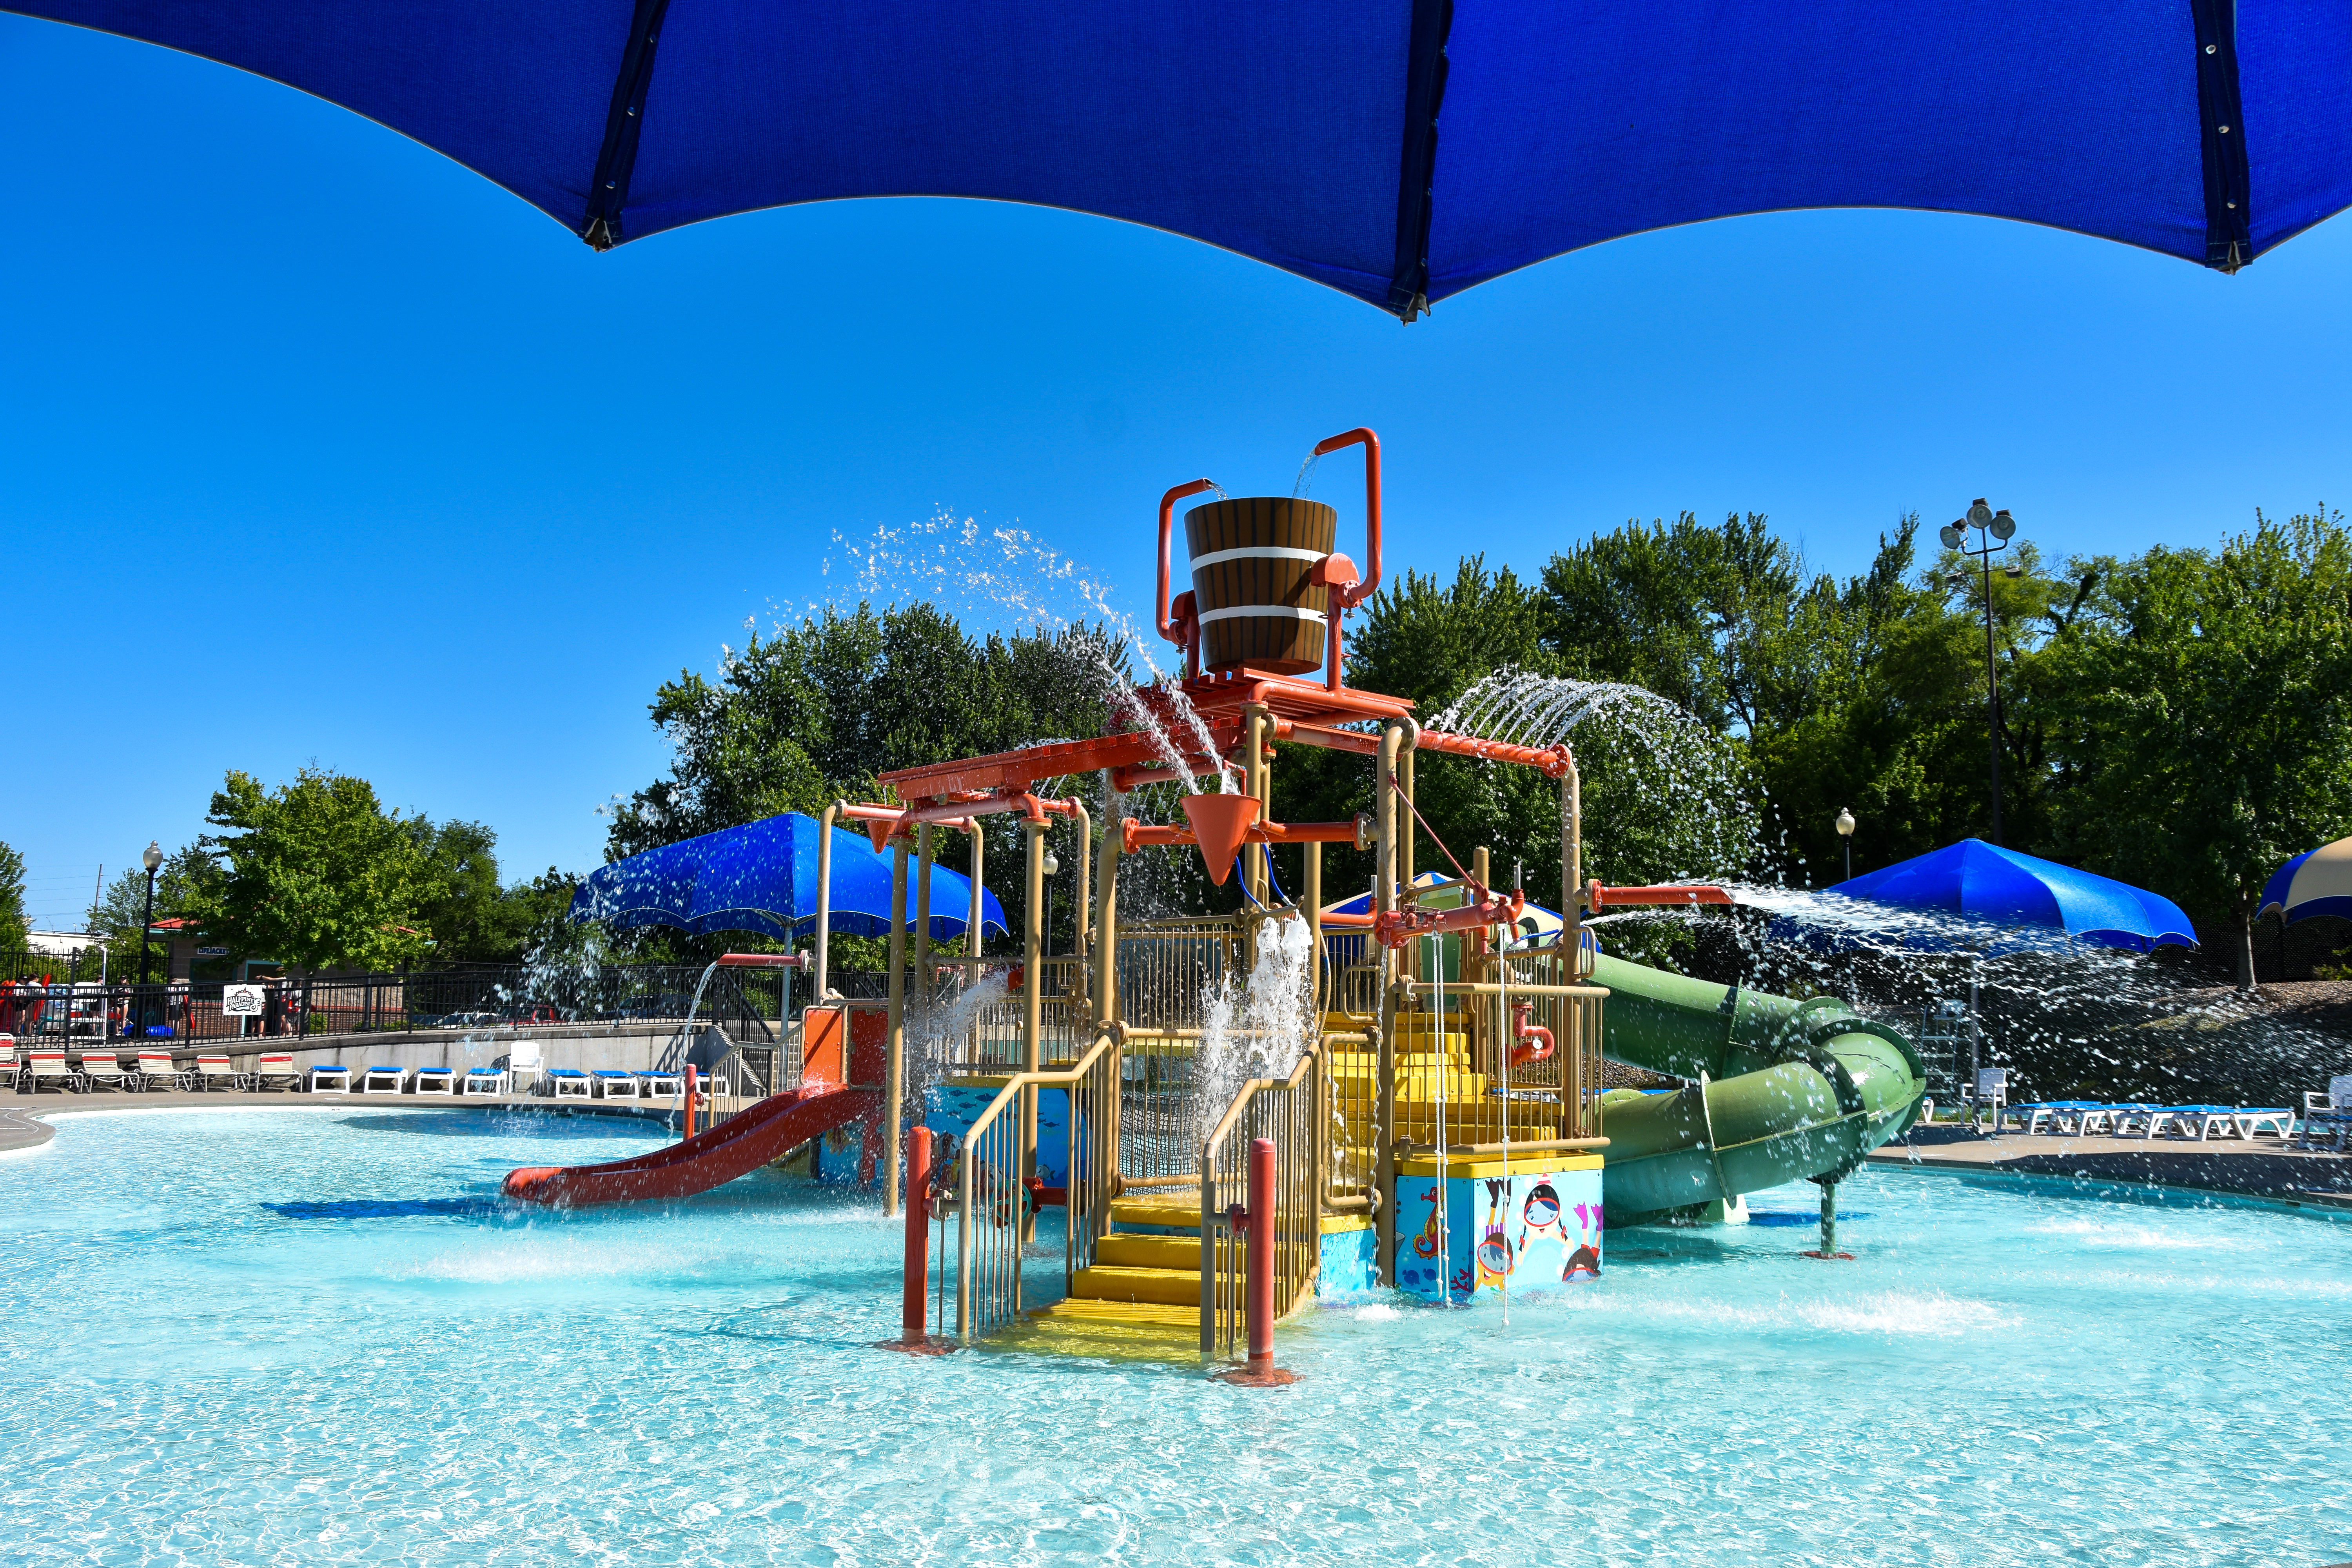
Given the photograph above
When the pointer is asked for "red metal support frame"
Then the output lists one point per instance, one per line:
(690, 1097)
(1357, 594)
(1257, 1223)
(1177, 631)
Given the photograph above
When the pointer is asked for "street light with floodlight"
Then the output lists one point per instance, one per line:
(1846, 832)
(1990, 525)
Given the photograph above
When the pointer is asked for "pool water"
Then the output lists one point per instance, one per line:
(319, 1336)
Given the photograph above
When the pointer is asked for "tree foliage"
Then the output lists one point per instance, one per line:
(2204, 716)
(13, 921)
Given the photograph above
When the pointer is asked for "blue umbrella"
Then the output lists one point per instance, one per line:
(1305, 133)
(1985, 884)
(761, 876)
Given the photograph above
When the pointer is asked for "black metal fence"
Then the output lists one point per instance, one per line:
(70, 1012)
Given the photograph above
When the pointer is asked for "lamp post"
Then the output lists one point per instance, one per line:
(1846, 833)
(1990, 525)
(1053, 865)
(152, 859)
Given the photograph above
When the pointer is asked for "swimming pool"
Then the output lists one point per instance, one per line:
(316, 1336)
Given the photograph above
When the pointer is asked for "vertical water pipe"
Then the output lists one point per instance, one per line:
(1310, 895)
(1384, 816)
(1506, 1042)
(1083, 903)
(688, 1114)
(1033, 1013)
(824, 822)
(894, 1054)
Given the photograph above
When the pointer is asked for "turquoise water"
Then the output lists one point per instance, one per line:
(316, 1336)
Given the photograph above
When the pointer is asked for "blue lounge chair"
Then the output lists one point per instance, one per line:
(320, 1076)
(615, 1084)
(437, 1080)
(570, 1083)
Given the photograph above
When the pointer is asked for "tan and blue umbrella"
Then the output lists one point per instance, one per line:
(2315, 882)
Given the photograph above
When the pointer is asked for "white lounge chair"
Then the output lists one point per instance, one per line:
(158, 1070)
(12, 1066)
(570, 1083)
(523, 1067)
(1990, 1094)
(101, 1066)
(661, 1084)
(333, 1079)
(2327, 1114)
(375, 1079)
(490, 1082)
(277, 1067)
(2197, 1121)
(438, 1080)
(50, 1068)
(213, 1069)
(2275, 1119)
(615, 1084)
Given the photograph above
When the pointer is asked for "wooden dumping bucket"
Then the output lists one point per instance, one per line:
(1251, 558)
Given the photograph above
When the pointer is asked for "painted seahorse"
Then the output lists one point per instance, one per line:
(1426, 1244)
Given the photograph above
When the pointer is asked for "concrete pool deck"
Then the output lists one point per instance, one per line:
(20, 1128)
(2266, 1168)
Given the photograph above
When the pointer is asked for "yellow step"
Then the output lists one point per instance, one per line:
(1138, 1314)
(1110, 1282)
(1149, 1251)
(1179, 1213)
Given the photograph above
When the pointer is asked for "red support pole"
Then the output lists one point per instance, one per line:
(690, 1099)
(919, 1232)
(1259, 1371)
(1261, 1256)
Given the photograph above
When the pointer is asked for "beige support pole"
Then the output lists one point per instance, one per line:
(1386, 811)
(922, 916)
(1105, 933)
(1482, 967)
(1408, 829)
(894, 1061)
(1257, 782)
(825, 825)
(975, 917)
(1033, 1014)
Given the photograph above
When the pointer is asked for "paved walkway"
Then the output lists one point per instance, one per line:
(2264, 1168)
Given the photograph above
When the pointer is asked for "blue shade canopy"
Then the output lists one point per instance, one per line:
(761, 876)
(1306, 134)
(1984, 884)
(2315, 882)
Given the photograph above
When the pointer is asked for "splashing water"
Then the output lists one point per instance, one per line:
(1304, 486)
(1256, 1027)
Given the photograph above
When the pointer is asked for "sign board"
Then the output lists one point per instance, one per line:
(240, 1000)
(212, 953)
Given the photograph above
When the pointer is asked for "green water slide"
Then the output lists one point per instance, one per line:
(1782, 1090)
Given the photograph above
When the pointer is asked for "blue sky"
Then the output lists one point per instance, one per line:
(319, 447)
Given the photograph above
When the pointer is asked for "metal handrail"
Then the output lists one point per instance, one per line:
(988, 1184)
(1298, 1125)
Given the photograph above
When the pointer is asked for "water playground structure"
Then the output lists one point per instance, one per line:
(1232, 1113)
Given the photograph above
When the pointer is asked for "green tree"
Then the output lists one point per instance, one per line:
(818, 711)
(2208, 716)
(13, 921)
(316, 874)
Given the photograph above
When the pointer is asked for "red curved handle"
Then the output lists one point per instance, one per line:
(1350, 597)
(1168, 629)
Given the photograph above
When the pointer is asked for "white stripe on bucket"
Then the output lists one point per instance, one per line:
(1257, 552)
(1271, 611)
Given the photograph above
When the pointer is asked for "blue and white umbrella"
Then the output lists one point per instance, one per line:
(2315, 882)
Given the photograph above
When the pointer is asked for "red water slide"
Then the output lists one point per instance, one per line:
(742, 1143)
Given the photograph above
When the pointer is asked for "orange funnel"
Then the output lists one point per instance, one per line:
(1220, 823)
